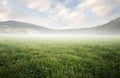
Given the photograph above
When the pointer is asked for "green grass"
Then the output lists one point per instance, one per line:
(29, 57)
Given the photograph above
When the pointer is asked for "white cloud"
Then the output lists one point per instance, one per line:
(4, 10)
(100, 8)
(3, 16)
(76, 17)
(60, 12)
(58, 15)
(4, 2)
(40, 5)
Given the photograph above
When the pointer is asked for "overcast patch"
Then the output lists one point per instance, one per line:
(60, 13)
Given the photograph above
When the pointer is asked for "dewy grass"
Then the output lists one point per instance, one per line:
(88, 57)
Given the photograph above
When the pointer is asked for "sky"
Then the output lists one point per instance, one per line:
(60, 14)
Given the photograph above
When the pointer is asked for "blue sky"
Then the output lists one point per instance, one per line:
(60, 14)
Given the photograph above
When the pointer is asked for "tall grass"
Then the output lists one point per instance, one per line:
(59, 58)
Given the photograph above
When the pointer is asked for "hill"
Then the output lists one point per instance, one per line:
(112, 27)
(21, 27)
(15, 27)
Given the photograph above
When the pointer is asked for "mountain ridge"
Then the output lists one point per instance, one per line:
(11, 26)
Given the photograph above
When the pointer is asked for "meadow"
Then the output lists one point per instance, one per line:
(60, 57)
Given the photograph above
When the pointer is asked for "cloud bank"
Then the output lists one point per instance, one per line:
(60, 13)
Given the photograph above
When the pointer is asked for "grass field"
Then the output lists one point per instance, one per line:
(70, 57)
